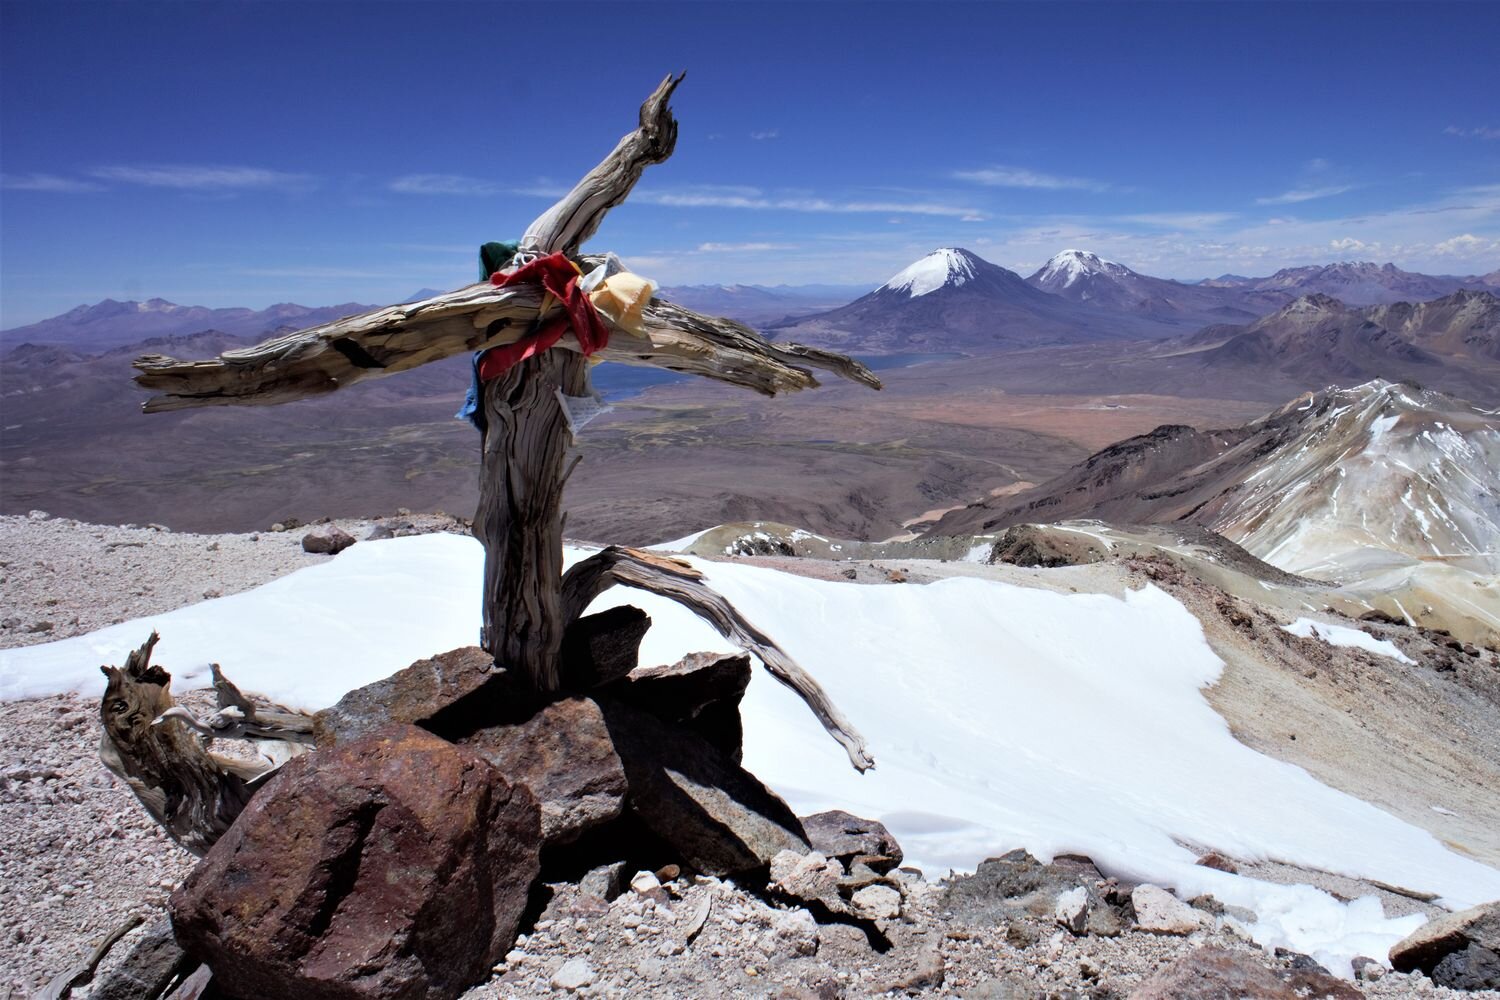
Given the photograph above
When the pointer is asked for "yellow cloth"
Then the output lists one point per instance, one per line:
(621, 298)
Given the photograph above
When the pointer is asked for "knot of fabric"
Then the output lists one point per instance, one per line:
(558, 276)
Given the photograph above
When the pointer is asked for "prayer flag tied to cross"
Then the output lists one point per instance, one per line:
(533, 323)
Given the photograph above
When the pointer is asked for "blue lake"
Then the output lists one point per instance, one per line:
(620, 382)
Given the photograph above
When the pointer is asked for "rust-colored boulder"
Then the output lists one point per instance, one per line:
(565, 755)
(395, 865)
(450, 694)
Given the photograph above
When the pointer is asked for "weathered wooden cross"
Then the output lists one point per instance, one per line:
(528, 601)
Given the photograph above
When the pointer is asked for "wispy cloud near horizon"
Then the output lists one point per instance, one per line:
(1020, 177)
(1478, 132)
(754, 198)
(1298, 195)
(49, 183)
(186, 177)
(444, 184)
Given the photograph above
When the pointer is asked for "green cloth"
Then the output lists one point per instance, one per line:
(494, 256)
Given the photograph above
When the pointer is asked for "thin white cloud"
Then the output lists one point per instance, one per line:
(743, 247)
(1297, 195)
(762, 136)
(1479, 132)
(205, 178)
(50, 183)
(444, 184)
(1020, 177)
(1179, 220)
(752, 198)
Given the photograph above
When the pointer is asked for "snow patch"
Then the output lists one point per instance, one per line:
(1342, 635)
(1001, 716)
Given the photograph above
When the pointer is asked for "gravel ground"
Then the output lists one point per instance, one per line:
(79, 854)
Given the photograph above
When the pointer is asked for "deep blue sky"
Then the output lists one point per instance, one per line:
(247, 153)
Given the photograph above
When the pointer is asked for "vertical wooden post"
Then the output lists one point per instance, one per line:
(526, 438)
(519, 519)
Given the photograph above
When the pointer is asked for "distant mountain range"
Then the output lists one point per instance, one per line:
(1317, 336)
(761, 304)
(950, 300)
(1359, 283)
(110, 324)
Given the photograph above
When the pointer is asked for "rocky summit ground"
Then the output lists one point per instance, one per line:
(79, 854)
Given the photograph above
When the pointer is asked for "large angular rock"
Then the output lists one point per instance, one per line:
(1428, 946)
(713, 813)
(603, 647)
(566, 756)
(845, 836)
(1220, 974)
(451, 694)
(700, 692)
(395, 865)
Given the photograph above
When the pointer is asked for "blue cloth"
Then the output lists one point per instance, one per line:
(471, 410)
(492, 257)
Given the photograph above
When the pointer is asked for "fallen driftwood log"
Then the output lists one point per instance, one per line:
(154, 746)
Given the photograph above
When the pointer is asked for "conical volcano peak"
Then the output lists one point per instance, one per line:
(1072, 265)
(946, 267)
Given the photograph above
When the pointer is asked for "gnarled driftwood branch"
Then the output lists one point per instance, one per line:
(679, 581)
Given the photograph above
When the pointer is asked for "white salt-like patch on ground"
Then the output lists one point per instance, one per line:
(1000, 716)
(1342, 635)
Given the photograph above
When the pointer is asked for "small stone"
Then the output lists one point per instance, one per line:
(877, 902)
(1367, 969)
(278, 527)
(644, 882)
(795, 931)
(1072, 910)
(379, 533)
(606, 882)
(575, 974)
(1219, 862)
(1160, 912)
(327, 540)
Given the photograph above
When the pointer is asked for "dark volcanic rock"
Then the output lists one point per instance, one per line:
(150, 965)
(837, 834)
(394, 865)
(603, 647)
(1220, 974)
(1474, 968)
(713, 813)
(701, 691)
(328, 540)
(439, 694)
(1468, 933)
(564, 754)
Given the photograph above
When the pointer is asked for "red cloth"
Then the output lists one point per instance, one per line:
(556, 274)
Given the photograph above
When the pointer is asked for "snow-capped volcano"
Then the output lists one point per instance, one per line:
(1085, 277)
(1072, 266)
(946, 267)
(952, 300)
